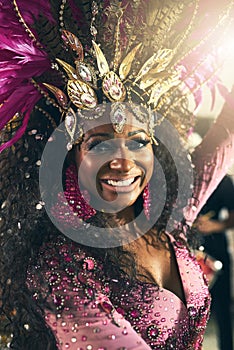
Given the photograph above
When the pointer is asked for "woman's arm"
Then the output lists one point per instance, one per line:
(212, 159)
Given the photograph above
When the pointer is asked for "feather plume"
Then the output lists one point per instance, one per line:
(135, 37)
(17, 103)
(20, 60)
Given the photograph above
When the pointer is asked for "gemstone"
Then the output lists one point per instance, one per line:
(113, 88)
(106, 306)
(70, 121)
(135, 313)
(69, 146)
(81, 94)
(115, 92)
(118, 117)
(84, 72)
(88, 100)
(89, 292)
(89, 264)
(53, 278)
(112, 337)
(153, 332)
(61, 97)
(58, 300)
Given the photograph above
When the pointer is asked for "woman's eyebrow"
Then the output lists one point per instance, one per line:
(132, 133)
(111, 135)
(102, 134)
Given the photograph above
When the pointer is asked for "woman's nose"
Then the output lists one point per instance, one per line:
(121, 164)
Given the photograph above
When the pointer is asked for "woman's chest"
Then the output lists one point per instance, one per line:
(158, 265)
(159, 315)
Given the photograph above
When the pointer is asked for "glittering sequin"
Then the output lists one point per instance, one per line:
(89, 305)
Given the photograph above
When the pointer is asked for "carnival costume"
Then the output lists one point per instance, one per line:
(73, 61)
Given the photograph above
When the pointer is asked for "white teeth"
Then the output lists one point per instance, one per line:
(121, 183)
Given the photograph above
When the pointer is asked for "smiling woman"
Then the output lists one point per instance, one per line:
(97, 193)
(119, 181)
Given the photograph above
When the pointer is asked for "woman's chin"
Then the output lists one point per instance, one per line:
(113, 203)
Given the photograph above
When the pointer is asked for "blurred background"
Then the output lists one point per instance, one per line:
(205, 117)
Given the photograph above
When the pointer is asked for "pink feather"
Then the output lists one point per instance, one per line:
(21, 101)
(20, 61)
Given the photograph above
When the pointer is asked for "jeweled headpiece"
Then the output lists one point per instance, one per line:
(76, 56)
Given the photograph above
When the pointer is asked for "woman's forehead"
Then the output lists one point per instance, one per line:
(117, 117)
(107, 130)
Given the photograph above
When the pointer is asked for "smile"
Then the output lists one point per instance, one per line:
(123, 185)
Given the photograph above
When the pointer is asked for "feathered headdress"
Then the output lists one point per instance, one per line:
(77, 54)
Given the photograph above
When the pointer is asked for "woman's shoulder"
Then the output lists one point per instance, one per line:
(62, 259)
(62, 250)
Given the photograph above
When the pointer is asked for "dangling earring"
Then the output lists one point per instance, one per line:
(146, 201)
(78, 201)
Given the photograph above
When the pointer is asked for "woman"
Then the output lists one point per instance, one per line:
(108, 275)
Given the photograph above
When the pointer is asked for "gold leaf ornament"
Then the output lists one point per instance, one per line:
(158, 61)
(86, 72)
(103, 66)
(74, 43)
(59, 94)
(126, 64)
(162, 86)
(83, 69)
(113, 87)
(151, 78)
(71, 72)
(81, 94)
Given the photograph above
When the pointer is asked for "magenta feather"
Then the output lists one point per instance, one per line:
(20, 61)
(21, 101)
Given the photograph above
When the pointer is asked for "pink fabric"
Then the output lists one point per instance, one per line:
(88, 310)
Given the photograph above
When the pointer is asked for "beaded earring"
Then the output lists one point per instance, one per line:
(146, 201)
(77, 200)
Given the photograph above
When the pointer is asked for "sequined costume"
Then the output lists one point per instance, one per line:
(59, 60)
(88, 310)
(93, 312)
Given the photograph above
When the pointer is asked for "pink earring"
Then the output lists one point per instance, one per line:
(78, 200)
(146, 201)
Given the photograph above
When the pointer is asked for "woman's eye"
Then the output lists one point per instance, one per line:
(134, 145)
(99, 146)
(112, 146)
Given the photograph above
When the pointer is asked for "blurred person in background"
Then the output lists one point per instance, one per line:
(213, 226)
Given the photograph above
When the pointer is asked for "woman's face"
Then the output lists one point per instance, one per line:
(114, 166)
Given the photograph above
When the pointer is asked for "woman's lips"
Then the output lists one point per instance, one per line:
(121, 185)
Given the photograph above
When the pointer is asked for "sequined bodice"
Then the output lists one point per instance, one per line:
(91, 311)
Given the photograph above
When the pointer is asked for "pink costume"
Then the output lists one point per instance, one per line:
(89, 311)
